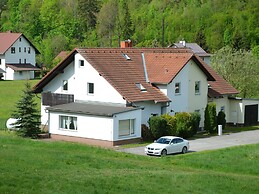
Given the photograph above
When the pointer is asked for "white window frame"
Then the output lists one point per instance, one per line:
(68, 123)
(126, 127)
(88, 88)
(65, 85)
(177, 88)
(13, 50)
(81, 63)
(197, 90)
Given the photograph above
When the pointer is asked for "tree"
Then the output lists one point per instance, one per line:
(127, 25)
(28, 117)
(210, 121)
(106, 22)
(240, 68)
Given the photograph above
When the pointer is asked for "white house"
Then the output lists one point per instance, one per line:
(17, 56)
(105, 94)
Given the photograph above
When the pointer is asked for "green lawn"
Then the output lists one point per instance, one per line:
(10, 92)
(34, 166)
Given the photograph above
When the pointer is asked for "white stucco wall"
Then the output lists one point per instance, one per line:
(78, 77)
(136, 115)
(96, 127)
(149, 108)
(15, 57)
(87, 126)
(18, 57)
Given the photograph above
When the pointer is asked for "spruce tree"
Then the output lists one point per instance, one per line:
(27, 115)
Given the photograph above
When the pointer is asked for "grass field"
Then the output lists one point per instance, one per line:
(10, 92)
(34, 166)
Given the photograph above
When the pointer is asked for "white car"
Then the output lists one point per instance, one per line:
(167, 145)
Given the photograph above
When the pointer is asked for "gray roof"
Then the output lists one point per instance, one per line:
(194, 47)
(92, 108)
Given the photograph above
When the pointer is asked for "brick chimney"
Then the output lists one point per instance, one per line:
(126, 43)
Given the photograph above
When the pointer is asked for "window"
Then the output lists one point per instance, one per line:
(24, 61)
(20, 49)
(0, 61)
(65, 85)
(90, 88)
(25, 49)
(20, 72)
(177, 88)
(141, 87)
(81, 63)
(12, 49)
(20, 39)
(126, 127)
(68, 122)
(197, 87)
(29, 50)
(20, 61)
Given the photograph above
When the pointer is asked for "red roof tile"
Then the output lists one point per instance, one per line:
(8, 39)
(123, 68)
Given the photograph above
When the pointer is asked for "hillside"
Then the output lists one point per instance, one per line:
(55, 25)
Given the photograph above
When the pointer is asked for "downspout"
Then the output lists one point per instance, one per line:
(144, 66)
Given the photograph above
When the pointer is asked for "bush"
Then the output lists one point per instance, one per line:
(171, 124)
(210, 121)
(146, 133)
(183, 124)
(221, 119)
(158, 126)
(195, 120)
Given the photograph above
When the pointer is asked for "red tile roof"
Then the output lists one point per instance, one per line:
(123, 68)
(8, 39)
(62, 55)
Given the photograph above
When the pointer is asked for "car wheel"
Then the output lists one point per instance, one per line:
(184, 150)
(164, 152)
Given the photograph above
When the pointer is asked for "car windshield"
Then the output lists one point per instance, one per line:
(163, 140)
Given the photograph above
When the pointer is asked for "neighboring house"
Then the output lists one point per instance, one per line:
(195, 48)
(105, 94)
(17, 56)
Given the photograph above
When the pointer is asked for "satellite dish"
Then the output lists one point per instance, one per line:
(9, 123)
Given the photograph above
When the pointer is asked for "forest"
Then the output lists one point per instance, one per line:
(216, 25)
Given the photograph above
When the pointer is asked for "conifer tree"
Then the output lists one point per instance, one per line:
(28, 117)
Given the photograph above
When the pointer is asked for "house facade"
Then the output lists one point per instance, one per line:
(107, 94)
(17, 56)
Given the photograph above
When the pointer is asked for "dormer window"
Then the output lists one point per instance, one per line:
(141, 87)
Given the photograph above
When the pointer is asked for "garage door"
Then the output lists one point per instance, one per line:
(251, 115)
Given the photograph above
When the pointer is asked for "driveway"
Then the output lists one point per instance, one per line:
(211, 143)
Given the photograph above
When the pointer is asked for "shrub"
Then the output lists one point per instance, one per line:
(146, 133)
(158, 126)
(195, 120)
(221, 119)
(210, 121)
(183, 124)
(171, 124)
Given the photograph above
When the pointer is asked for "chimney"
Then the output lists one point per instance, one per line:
(126, 43)
(183, 42)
